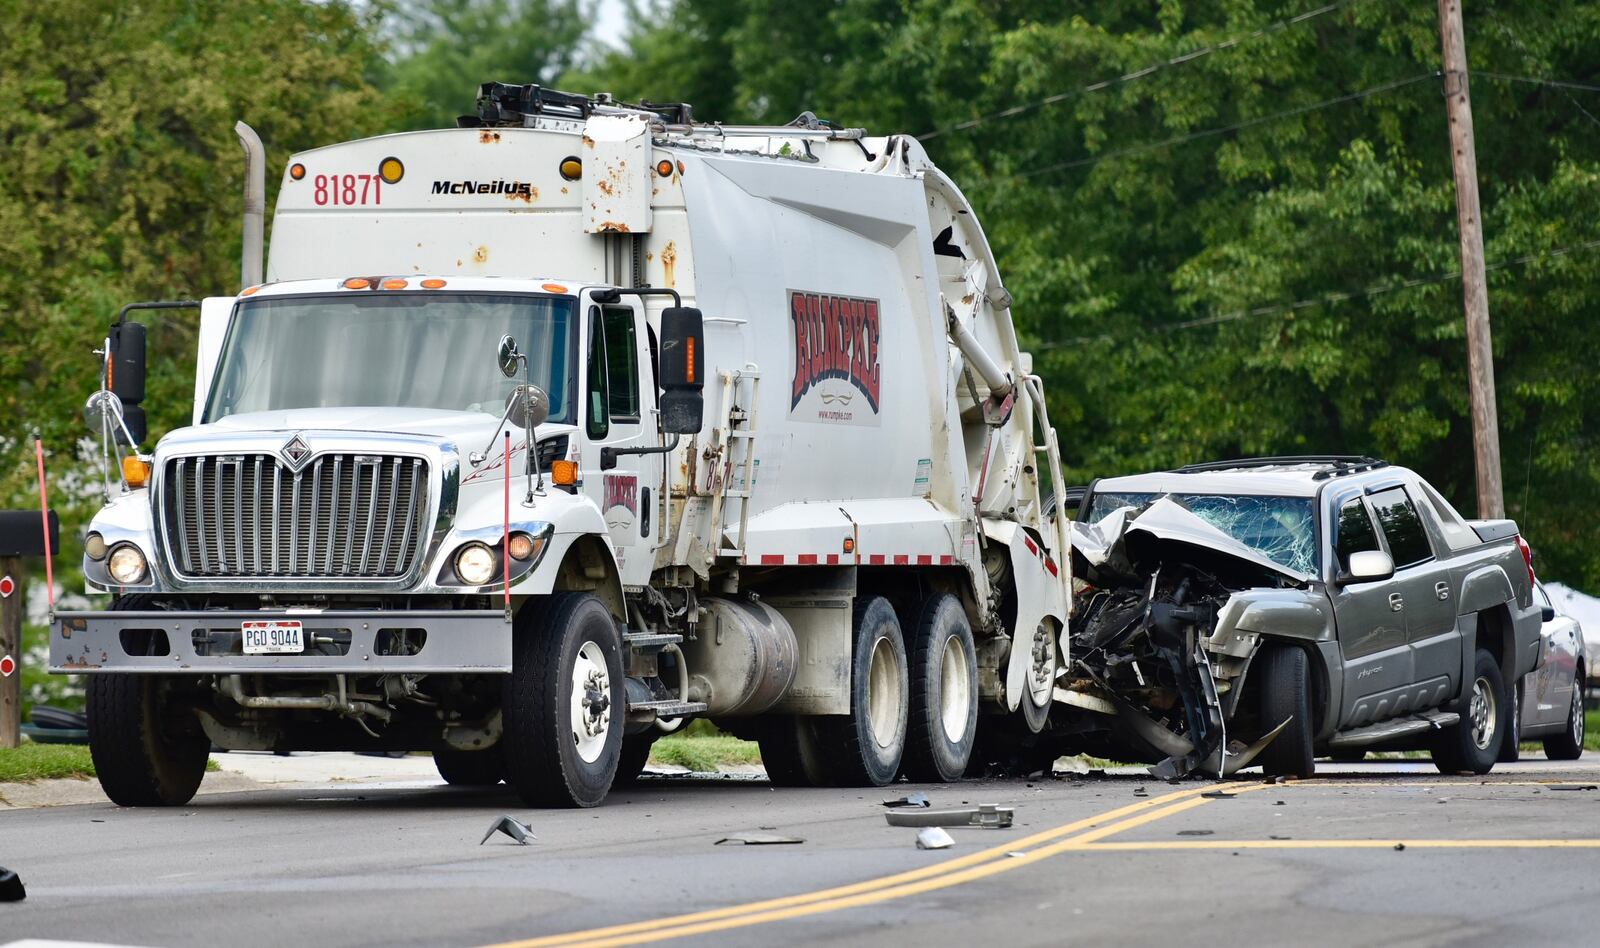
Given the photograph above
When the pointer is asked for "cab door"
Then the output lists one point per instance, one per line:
(617, 414)
(1422, 581)
(1370, 622)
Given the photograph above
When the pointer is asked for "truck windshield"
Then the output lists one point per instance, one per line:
(390, 349)
(1280, 528)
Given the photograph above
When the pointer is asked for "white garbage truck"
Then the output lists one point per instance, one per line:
(540, 436)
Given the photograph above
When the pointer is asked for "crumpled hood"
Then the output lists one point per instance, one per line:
(1130, 535)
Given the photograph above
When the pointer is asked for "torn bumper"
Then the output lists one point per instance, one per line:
(337, 642)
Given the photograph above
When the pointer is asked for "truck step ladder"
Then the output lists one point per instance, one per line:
(734, 442)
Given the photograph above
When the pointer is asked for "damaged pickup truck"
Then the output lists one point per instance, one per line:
(1272, 610)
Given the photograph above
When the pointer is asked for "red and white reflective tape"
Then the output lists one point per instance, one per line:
(872, 559)
(1044, 557)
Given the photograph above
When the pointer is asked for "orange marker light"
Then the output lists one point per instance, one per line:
(680, 167)
(394, 284)
(433, 283)
(391, 170)
(297, 171)
(849, 544)
(135, 471)
(251, 290)
(554, 288)
(564, 473)
(571, 168)
(688, 372)
(664, 168)
(357, 283)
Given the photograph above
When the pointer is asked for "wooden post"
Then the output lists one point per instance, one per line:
(1474, 291)
(12, 608)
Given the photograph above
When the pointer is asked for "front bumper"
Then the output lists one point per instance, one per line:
(353, 642)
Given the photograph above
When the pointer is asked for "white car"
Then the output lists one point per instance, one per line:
(1550, 698)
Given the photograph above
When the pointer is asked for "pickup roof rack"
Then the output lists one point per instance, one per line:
(1334, 465)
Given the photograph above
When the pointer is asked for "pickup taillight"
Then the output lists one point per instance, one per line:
(1527, 558)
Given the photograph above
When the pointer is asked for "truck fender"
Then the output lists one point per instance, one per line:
(1038, 593)
(1300, 616)
(1484, 588)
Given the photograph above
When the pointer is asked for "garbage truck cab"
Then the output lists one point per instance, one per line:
(546, 434)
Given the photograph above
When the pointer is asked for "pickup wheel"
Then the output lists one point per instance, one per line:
(944, 693)
(1511, 745)
(1568, 745)
(1284, 693)
(865, 748)
(1472, 745)
(144, 752)
(563, 702)
(461, 768)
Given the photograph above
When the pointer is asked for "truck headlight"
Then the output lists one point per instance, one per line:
(475, 564)
(126, 565)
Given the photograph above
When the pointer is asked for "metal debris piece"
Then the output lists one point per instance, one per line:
(1016, 854)
(1579, 786)
(910, 799)
(987, 815)
(934, 838)
(1280, 837)
(1197, 832)
(1399, 847)
(520, 832)
(759, 839)
(1217, 795)
(11, 889)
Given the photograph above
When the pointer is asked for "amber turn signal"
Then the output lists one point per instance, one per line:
(564, 473)
(357, 283)
(135, 471)
(394, 284)
(433, 283)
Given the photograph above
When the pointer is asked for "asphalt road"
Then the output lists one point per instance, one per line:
(1507, 859)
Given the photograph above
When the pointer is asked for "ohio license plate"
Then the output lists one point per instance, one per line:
(270, 636)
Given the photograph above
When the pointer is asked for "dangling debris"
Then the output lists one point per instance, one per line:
(520, 832)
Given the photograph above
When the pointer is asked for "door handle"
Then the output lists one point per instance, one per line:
(1396, 602)
(1442, 590)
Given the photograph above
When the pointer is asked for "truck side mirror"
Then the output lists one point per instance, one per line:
(682, 370)
(1367, 566)
(528, 406)
(125, 375)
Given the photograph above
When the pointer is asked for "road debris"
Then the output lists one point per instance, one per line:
(11, 889)
(1217, 795)
(987, 815)
(1197, 832)
(934, 838)
(1580, 786)
(759, 839)
(910, 799)
(520, 832)
(1399, 847)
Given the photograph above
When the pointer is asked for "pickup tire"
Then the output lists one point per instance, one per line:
(563, 702)
(944, 693)
(1511, 745)
(1568, 745)
(145, 753)
(1472, 745)
(463, 768)
(865, 747)
(1283, 692)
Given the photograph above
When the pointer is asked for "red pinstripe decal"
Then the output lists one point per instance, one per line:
(807, 559)
(1031, 548)
(900, 559)
(772, 559)
(875, 559)
(1050, 565)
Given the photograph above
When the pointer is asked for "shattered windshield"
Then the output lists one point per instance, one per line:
(1283, 529)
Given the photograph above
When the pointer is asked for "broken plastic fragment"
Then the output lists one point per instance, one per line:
(11, 889)
(520, 832)
(934, 838)
(910, 799)
(985, 814)
(759, 839)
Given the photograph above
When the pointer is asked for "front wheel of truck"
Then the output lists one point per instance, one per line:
(1284, 687)
(564, 702)
(1472, 745)
(148, 750)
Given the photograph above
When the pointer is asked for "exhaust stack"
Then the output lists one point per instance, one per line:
(255, 205)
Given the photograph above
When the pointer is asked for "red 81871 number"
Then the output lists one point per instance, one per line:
(347, 189)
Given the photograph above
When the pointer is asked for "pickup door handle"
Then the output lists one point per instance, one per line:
(1442, 590)
(1396, 602)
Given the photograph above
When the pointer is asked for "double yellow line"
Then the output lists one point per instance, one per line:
(1078, 834)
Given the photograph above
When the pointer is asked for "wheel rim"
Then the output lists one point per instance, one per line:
(591, 702)
(1484, 714)
(883, 694)
(1577, 714)
(1041, 680)
(955, 691)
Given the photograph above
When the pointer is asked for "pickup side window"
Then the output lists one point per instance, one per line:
(1354, 532)
(1402, 527)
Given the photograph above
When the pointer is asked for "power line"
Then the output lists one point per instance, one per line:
(1137, 74)
(1323, 299)
(1534, 80)
(1212, 132)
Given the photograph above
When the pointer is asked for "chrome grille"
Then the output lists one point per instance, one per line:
(358, 516)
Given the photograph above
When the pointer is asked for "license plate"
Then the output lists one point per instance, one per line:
(273, 636)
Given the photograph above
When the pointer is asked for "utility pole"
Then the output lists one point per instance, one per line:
(1474, 290)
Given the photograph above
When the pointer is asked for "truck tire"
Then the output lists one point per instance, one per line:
(635, 754)
(865, 747)
(140, 759)
(1511, 744)
(563, 702)
(784, 745)
(1472, 745)
(461, 768)
(1568, 745)
(1284, 692)
(944, 693)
